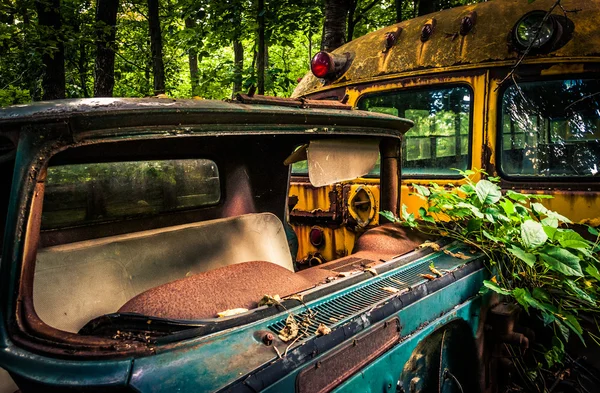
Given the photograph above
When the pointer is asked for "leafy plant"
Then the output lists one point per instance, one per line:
(548, 268)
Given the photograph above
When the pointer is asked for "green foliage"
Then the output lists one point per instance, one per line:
(548, 268)
(293, 35)
(13, 95)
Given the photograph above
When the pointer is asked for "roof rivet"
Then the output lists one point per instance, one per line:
(467, 23)
(428, 29)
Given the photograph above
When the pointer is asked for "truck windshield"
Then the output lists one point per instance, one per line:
(551, 129)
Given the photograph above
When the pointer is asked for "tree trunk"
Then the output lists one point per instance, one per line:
(104, 72)
(399, 4)
(351, 20)
(158, 67)
(238, 49)
(53, 81)
(82, 65)
(427, 7)
(238, 54)
(334, 25)
(260, 63)
(193, 60)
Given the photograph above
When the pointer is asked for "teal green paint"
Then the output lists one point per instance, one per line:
(373, 377)
(214, 361)
(65, 373)
(387, 369)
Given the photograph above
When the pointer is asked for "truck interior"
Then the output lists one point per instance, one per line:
(183, 229)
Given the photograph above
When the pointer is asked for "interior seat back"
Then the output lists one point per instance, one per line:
(77, 282)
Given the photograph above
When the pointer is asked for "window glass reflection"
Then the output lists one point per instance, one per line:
(551, 129)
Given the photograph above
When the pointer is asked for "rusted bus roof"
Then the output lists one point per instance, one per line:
(139, 115)
(487, 42)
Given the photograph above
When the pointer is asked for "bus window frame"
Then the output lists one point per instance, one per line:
(547, 181)
(432, 86)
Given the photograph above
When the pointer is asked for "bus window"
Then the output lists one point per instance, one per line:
(439, 141)
(551, 129)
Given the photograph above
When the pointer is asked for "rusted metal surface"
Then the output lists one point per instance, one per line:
(291, 102)
(333, 369)
(485, 44)
(332, 215)
(390, 175)
(92, 117)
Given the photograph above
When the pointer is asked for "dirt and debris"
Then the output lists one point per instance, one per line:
(433, 269)
(372, 271)
(290, 330)
(133, 336)
(270, 300)
(390, 289)
(297, 296)
(458, 255)
(322, 330)
(432, 245)
(428, 276)
(232, 312)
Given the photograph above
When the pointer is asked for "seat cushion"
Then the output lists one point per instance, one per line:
(387, 241)
(203, 295)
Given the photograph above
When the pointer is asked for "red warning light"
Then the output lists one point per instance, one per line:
(321, 64)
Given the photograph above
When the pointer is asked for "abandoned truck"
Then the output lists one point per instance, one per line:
(147, 248)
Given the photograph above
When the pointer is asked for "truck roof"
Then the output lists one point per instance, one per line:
(139, 115)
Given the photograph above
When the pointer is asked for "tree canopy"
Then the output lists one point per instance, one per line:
(182, 48)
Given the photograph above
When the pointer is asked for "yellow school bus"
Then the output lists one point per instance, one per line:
(508, 86)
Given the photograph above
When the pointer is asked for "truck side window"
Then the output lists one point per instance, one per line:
(440, 139)
(87, 193)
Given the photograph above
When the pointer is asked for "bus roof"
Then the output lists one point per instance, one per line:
(485, 45)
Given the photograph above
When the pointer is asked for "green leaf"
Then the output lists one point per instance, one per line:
(474, 224)
(388, 215)
(409, 219)
(508, 206)
(532, 234)
(561, 260)
(541, 295)
(563, 330)
(593, 231)
(592, 271)
(559, 217)
(539, 196)
(571, 239)
(525, 299)
(550, 231)
(548, 318)
(580, 292)
(422, 190)
(487, 192)
(526, 257)
(425, 216)
(538, 207)
(467, 189)
(550, 222)
(522, 210)
(517, 196)
(476, 212)
(494, 287)
(574, 325)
